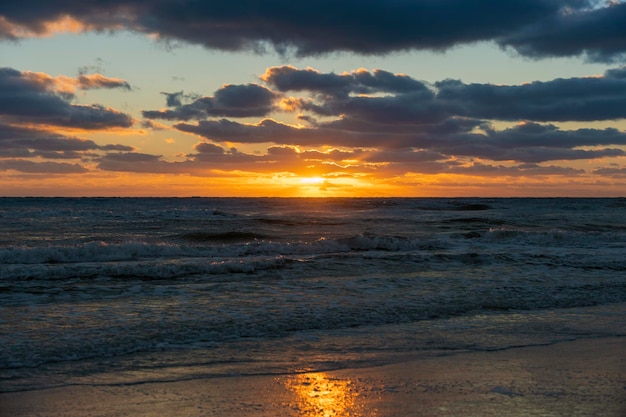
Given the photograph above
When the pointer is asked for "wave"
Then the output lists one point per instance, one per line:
(216, 246)
(139, 270)
(556, 236)
(225, 237)
(453, 205)
(312, 222)
(236, 244)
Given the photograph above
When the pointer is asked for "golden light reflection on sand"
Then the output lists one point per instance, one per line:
(319, 395)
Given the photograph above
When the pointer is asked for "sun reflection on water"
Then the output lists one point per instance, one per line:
(318, 395)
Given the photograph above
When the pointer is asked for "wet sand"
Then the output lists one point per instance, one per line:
(578, 378)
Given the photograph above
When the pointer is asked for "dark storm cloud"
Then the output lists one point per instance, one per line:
(36, 98)
(247, 100)
(535, 28)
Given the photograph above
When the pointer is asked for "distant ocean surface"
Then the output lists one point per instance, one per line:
(107, 291)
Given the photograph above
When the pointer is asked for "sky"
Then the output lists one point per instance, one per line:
(348, 98)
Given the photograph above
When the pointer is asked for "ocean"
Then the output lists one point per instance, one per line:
(113, 291)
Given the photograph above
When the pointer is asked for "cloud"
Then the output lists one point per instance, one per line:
(290, 78)
(481, 169)
(383, 97)
(527, 142)
(212, 159)
(392, 112)
(31, 167)
(572, 99)
(269, 130)
(596, 34)
(229, 101)
(208, 152)
(134, 162)
(536, 28)
(37, 98)
(91, 81)
(18, 141)
(208, 157)
(33, 103)
(611, 172)
(63, 85)
(356, 123)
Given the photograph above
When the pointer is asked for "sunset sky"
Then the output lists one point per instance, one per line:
(327, 98)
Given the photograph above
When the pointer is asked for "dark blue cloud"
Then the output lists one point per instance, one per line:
(246, 100)
(30, 103)
(536, 28)
(289, 78)
(572, 99)
(33, 99)
(406, 100)
(26, 166)
(25, 142)
(597, 34)
(449, 118)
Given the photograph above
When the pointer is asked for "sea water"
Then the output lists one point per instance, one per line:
(97, 291)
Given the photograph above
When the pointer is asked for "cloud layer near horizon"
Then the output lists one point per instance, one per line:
(535, 28)
(391, 118)
(358, 122)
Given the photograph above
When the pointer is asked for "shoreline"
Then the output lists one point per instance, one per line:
(584, 377)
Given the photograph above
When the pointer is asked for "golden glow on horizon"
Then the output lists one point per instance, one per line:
(250, 184)
(312, 180)
(318, 395)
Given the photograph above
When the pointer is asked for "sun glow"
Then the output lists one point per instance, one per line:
(311, 180)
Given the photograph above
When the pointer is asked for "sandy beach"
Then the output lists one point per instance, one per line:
(578, 378)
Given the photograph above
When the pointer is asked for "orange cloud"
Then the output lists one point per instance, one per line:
(68, 85)
(63, 24)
